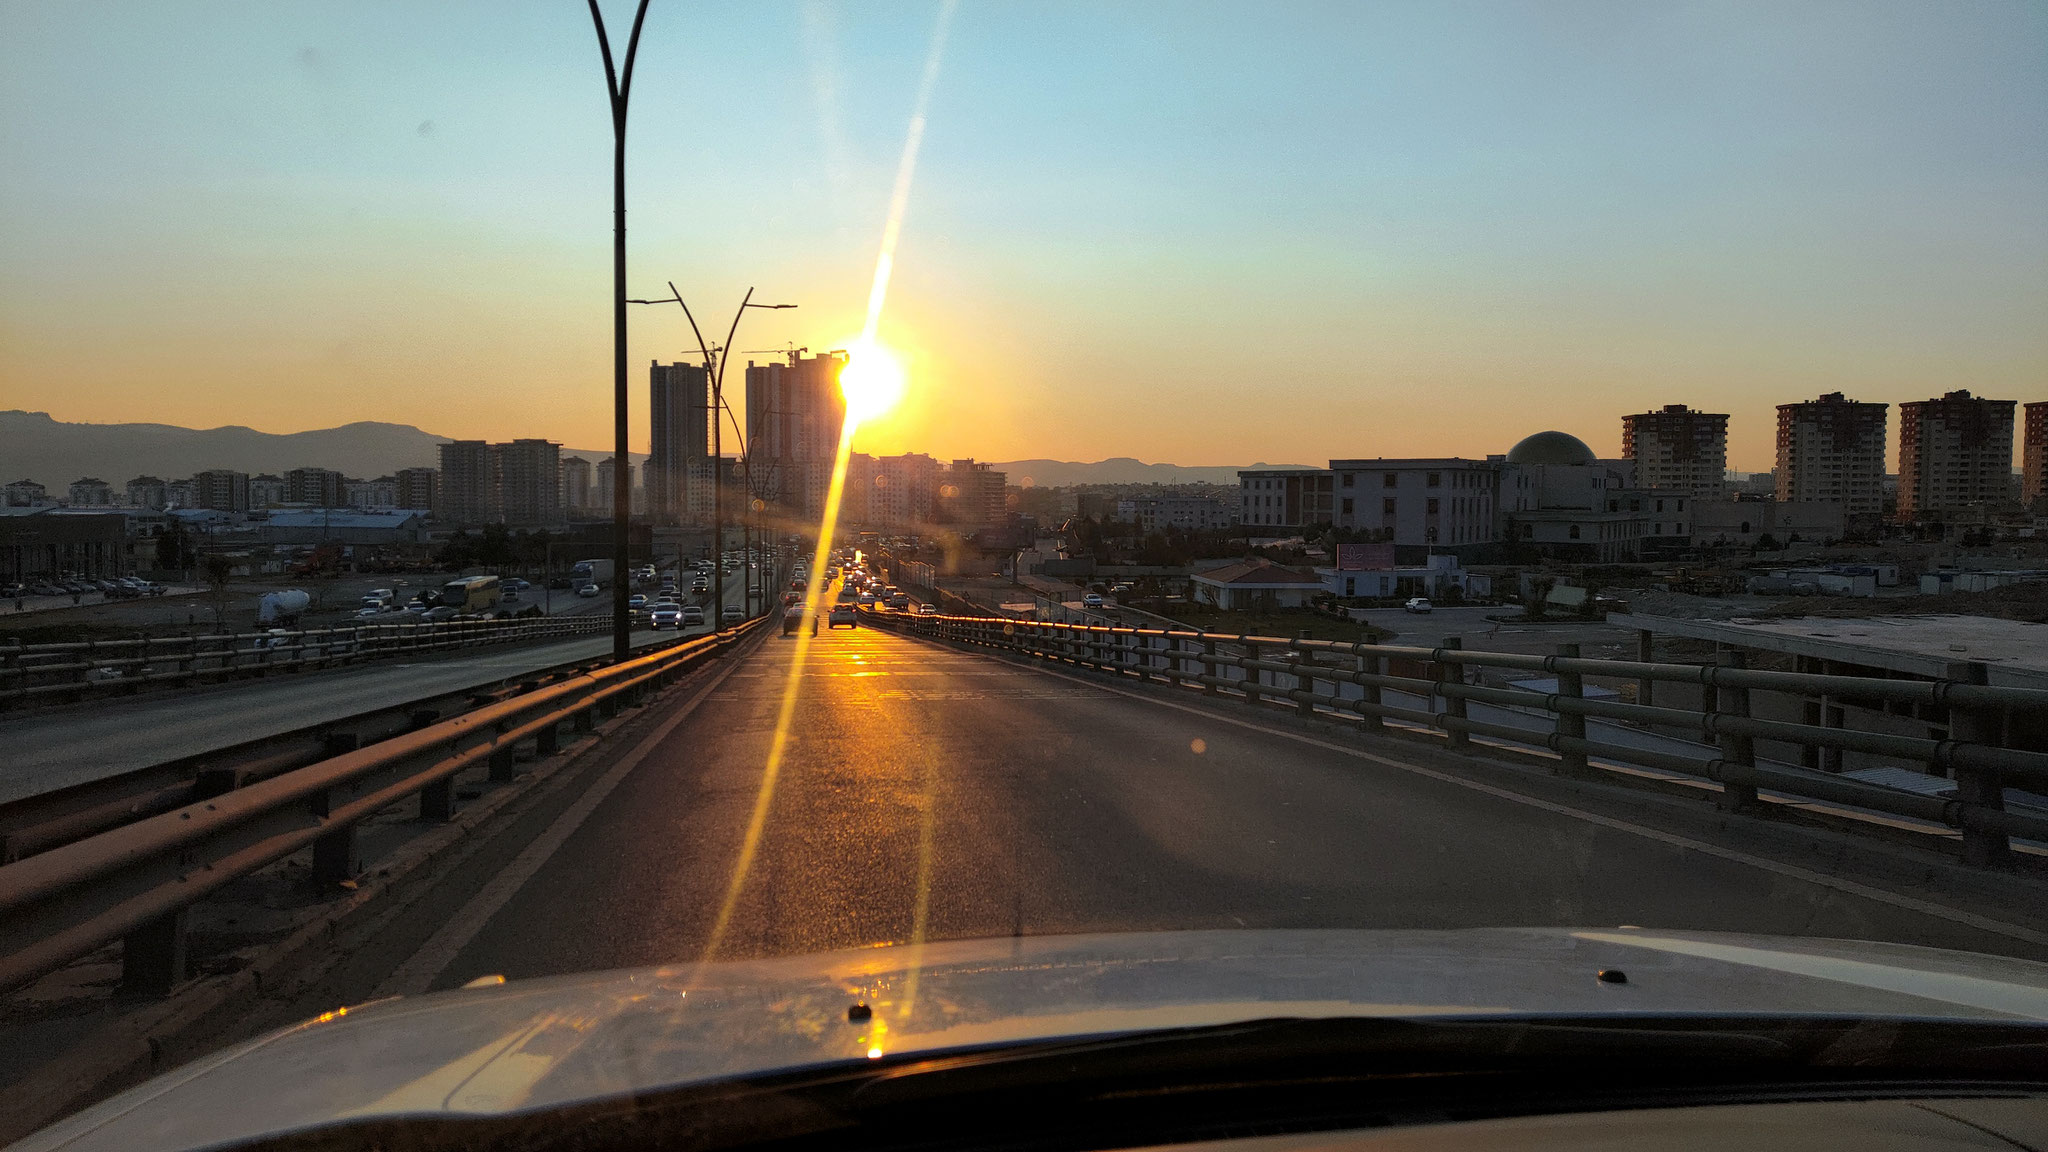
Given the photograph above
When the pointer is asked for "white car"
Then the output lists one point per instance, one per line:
(665, 616)
(733, 614)
(589, 590)
(693, 616)
(1091, 600)
(1419, 604)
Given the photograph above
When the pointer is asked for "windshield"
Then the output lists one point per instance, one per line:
(1105, 469)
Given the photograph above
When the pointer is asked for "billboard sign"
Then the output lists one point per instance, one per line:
(1365, 557)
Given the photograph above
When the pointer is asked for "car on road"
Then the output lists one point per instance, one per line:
(843, 614)
(898, 600)
(732, 614)
(1091, 600)
(693, 616)
(559, 584)
(636, 600)
(927, 609)
(44, 588)
(665, 616)
(589, 590)
(700, 584)
(1419, 605)
(439, 613)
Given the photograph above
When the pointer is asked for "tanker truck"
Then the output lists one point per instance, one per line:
(282, 607)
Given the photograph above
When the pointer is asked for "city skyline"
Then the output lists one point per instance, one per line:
(1729, 208)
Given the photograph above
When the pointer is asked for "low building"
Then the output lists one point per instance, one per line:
(1429, 579)
(1255, 584)
(45, 544)
(346, 527)
(1744, 522)
(1562, 502)
(1421, 505)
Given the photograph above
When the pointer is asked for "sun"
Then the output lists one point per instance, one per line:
(872, 381)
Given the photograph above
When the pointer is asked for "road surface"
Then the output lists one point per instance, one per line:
(931, 793)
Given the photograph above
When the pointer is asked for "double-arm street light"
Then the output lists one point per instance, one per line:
(714, 366)
(620, 83)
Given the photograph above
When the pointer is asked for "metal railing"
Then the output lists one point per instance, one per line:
(45, 672)
(136, 883)
(1429, 689)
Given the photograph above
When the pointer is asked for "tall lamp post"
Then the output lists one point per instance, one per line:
(714, 363)
(620, 84)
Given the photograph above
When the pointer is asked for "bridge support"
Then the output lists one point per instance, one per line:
(1369, 695)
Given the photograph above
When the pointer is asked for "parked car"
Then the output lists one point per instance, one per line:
(12, 590)
(693, 616)
(44, 588)
(1418, 604)
(1091, 600)
(439, 613)
(843, 614)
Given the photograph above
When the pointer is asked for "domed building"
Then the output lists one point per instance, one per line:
(1551, 448)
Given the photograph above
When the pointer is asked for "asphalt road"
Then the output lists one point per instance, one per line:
(59, 747)
(928, 793)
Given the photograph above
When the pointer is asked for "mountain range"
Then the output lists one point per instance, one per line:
(33, 446)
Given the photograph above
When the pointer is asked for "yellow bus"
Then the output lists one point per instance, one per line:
(471, 594)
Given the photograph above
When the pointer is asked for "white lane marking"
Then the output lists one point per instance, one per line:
(1790, 871)
(417, 974)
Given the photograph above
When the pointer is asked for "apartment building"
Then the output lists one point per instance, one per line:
(529, 481)
(1283, 501)
(416, 487)
(1678, 447)
(1831, 450)
(1955, 454)
(2034, 457)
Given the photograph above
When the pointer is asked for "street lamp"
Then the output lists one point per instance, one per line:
(620, 85)
(714, 364)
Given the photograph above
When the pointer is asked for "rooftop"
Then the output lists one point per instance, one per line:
(2016, 653)
(1258, 574)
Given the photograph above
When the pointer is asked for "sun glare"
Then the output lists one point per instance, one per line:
(872, 381)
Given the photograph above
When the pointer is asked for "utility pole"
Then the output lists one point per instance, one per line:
(620, 84)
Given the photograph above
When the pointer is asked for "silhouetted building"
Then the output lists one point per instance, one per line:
(1831, 451)
(2034, 457)
(221, 490)
(795, 412)
(1677, 447)
(148, 492)
(678, 476)
(467, 493)
(320, 487)
(576, 483)
(91, 492)
(1955, 453)
(417, 487)
(529, 481)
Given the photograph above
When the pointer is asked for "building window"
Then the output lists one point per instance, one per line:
(1436, 479)
(1348, 477)
(1657, 530)
(1574, 532)
(1389, 480)
(1387, 506)
(1431, 507)
(1347, 505)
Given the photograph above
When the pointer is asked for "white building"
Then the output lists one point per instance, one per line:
(1430, 503)
(1255, 584)
(1176, 513)
(1560, 499)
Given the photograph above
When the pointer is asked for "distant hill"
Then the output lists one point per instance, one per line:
(1122, 470)
(53, 453)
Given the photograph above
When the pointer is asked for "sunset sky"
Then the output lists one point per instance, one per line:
(1198, 233)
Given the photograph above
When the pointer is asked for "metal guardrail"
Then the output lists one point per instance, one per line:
(35, 672)
(136, 883)
(1267, 670)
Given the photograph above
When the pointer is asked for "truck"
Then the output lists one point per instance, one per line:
(282, 607)
(592, 571)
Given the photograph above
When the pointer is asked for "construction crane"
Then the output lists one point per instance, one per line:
(792, 351)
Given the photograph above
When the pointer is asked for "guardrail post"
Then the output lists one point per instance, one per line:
(1305, 678)
(1369, 663)
(504, 765)
(153, 957)
(1207, 662)
(1571, 725)
(437, 800)
(335, 858)
(1979, 789)
(1254, 678)
(1738, 749)
(1454, 706)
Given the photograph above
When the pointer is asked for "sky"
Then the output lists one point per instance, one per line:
(1194, 232)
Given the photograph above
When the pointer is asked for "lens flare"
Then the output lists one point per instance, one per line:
(872, 381)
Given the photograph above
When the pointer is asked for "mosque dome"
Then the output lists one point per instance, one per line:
(1551, 448)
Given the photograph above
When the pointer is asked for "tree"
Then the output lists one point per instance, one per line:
(174, 548)
(1768, 543)
(218, 568)
(1536, 601)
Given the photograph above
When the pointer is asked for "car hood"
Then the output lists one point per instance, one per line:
(539, 1043)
